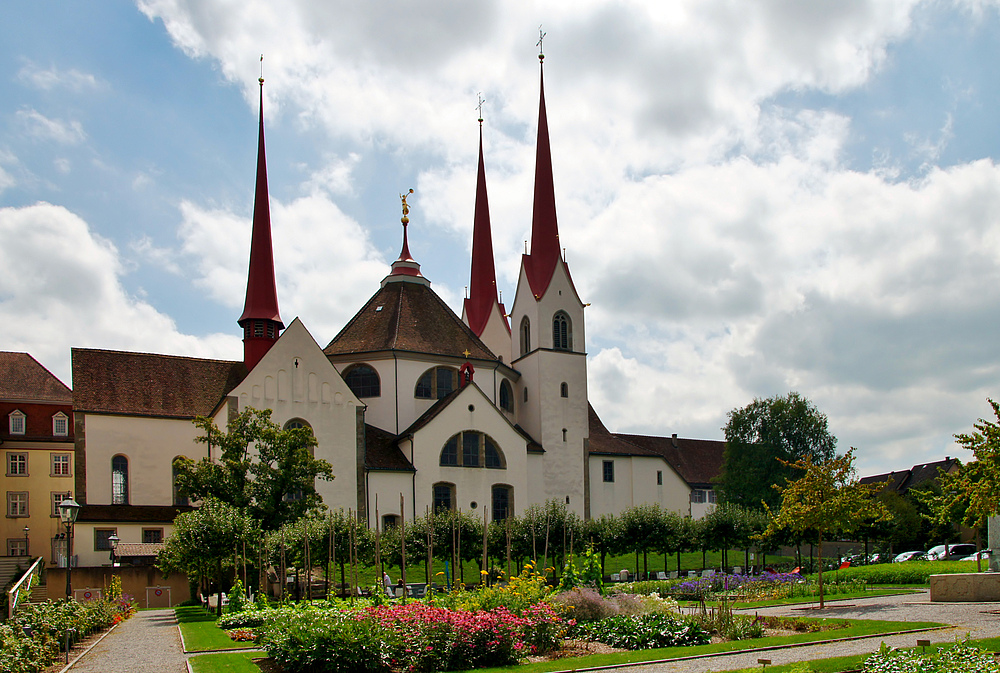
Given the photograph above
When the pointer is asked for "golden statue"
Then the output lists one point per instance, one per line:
(406, 207)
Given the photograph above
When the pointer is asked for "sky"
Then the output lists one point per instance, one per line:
(754, 197)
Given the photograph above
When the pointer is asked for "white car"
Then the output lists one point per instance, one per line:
(983, 554)
(907, 556)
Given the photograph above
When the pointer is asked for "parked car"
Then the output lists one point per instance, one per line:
(907, 556)
(983, 554)
(954, 552)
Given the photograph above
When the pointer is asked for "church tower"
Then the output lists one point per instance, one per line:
(482, 310)
(548, 344)
(260, 320)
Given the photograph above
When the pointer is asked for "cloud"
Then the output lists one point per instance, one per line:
(61, 288)
(39, 126)
(53, 78)
(324, 261)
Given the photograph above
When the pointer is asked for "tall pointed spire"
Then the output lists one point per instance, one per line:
(544, 229)
(260, 320)
(483, 284)
(405, 269)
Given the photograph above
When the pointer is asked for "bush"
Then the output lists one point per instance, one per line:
(902, 574)
(327, 640)
(48, 623)
(643, 631)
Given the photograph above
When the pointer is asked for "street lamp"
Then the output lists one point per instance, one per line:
(113, 541)
(69, 509)
(27, 551)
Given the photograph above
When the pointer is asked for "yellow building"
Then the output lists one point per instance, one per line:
(36, 441)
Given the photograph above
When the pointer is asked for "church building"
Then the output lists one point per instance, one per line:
(489, 409)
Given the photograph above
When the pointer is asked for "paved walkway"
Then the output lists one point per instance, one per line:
(150, 641)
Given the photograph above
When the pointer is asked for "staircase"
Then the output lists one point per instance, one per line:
(12, 567)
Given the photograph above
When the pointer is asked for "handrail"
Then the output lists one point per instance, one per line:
(15, 592)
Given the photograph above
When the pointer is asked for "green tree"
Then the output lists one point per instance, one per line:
(971, 494)
(825, 497)
(204, 541)
(261, 468)
(762, 439)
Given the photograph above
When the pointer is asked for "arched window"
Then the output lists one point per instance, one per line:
(435, 383)
(503, 502)
(472, 449)
(562, 332)
(363, 381)
(444, 496)
(119, 480)
(506, 396)
(179, 500)
(525, 335)
(295, 423)
(563, 389)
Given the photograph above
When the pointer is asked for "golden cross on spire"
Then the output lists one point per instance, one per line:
(466, 352)
(541, 36)
(480, 107)
(261, 80)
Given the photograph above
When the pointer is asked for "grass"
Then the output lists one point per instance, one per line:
(225, 662)
(200, 632)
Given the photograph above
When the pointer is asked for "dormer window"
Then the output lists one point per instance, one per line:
(17, 422)
(60, 425)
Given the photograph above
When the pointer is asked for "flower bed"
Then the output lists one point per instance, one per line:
(47, 624)
(413, 637)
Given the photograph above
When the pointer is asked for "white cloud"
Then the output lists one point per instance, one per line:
(40, 126)
(51, 78)
(323, 259)
(62, 289)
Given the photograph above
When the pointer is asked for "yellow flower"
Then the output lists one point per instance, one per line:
(483, 572)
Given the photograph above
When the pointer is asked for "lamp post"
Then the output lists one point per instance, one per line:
(113, 541)
(69, 509)
(27, 549)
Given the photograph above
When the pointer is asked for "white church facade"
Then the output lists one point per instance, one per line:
(489, 409)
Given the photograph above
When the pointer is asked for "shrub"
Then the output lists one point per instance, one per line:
(584, 604)
(327, 640)
(644, 631)
(519, 593)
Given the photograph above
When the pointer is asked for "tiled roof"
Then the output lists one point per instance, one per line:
(408, 317)
(23, 378)
(144, 384)
(697, 461)
(129, 513)
(382, 451)
(904, 480)
(603, 442)
(133, 549)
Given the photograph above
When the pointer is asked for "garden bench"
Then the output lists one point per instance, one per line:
(661, 576)
(615, 577)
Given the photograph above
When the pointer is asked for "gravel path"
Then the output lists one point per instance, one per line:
(149, 641)
(980, 620)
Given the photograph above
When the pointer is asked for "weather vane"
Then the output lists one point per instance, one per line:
(480, 107)
(541, 36)
(406, 208)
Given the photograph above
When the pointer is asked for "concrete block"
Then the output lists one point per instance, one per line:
(965, 588)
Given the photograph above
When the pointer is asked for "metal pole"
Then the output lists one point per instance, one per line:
(69, 560)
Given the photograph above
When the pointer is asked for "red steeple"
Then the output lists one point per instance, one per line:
(260, 320)
(541, 263)
(483, 285)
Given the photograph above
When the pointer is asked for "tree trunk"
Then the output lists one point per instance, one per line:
(821, 572)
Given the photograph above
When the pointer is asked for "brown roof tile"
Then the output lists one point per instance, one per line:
(144, 384)
(382, 451)
(129, 513)
(603, 442)
(408, 317)
(133, 549)
(697, 461)
(904, 480)
(22, 377)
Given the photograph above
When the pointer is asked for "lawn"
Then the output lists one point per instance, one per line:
(225, 662)
(200, 633)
